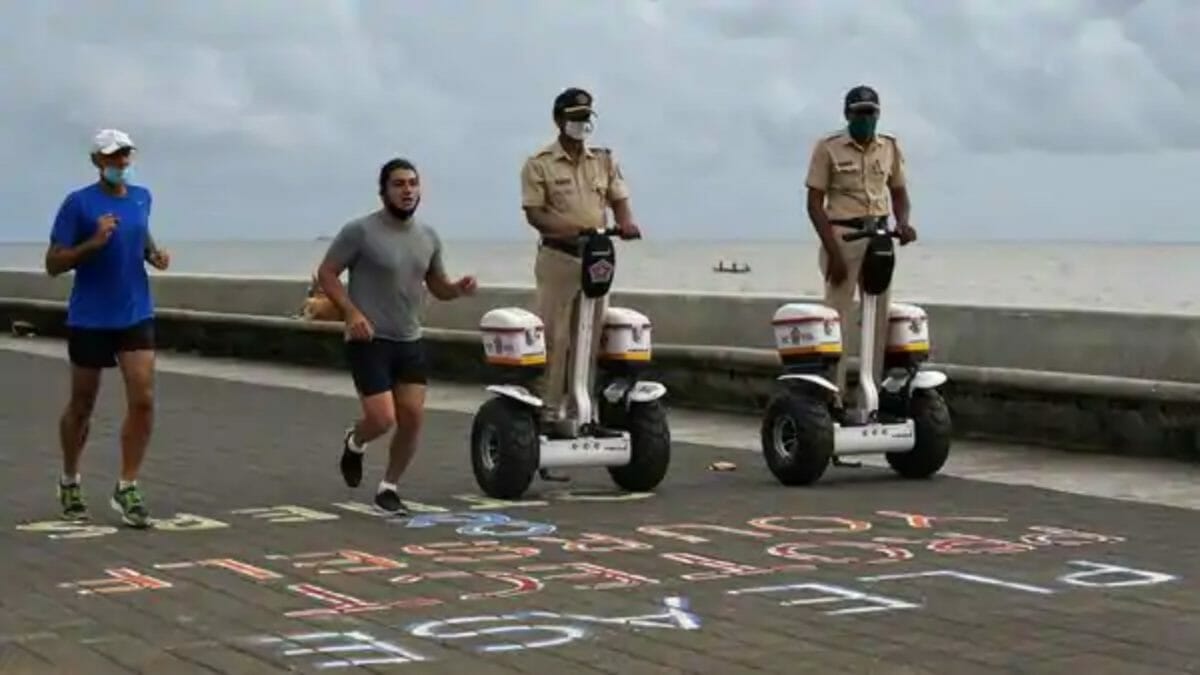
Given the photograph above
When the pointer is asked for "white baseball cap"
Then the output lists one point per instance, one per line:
(108, 141)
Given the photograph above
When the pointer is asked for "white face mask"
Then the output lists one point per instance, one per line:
(578, 130)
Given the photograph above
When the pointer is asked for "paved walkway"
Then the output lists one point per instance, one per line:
(265, 562)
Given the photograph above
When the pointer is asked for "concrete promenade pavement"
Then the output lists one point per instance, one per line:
(263, 561)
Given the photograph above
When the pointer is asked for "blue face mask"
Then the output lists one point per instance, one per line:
(117, 176)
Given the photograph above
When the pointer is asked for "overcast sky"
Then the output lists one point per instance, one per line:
(269, 118)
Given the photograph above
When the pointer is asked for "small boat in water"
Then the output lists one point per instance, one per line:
(733, 268)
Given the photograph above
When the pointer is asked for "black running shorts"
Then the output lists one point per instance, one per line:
(98, 347)
(379, 365)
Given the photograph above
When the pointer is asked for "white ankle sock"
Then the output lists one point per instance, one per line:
(66, 480)
(122, 484)
(352, 443)
(385, 486)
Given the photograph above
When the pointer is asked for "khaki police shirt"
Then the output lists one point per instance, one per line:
(856, 180)
(581, 191)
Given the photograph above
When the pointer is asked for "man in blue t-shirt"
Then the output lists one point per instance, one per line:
(102, 232)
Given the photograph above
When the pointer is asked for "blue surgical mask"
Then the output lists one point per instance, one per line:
(117, 176)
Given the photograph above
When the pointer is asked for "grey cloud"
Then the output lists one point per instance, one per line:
(998, 76)
(285, 110)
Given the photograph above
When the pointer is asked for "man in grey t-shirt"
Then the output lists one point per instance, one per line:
(392, 258)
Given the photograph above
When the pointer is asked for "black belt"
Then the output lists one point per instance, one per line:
(858, 223)
(571, 249)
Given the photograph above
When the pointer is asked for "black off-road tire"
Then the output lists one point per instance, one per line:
(650, 445)
(504, 448)
(934, 429)
(797, 437)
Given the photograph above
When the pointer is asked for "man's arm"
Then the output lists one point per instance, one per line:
(817, 183)
(820, 219)
(64, 254)
(441, 287)
(898, 185)
(550, 224)
(151, 245)
(618, 195)
(341, 254)
(901, 206)
(436, 281)
(533, 201)
(623, 213)
(62, 259)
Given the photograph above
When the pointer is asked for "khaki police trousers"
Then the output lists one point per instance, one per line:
(558, 276)
(841, 298)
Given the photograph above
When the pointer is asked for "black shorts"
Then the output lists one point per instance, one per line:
(379, 365)
(98, 347)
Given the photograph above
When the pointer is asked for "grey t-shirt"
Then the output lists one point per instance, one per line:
(387, 263)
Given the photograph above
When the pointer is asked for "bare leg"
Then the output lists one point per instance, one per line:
(410, 413)
(137, 367)
(76, 418)
(378, 418)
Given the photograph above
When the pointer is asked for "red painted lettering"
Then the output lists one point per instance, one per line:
(606, 577)
(836, 525)
(591, 542)
(471, 551)
(1059, 536)
(955, 543)
(514, 584)
(119, 580)
(341, 562)
(922, 522)
(229, 564)
(669, 532)
(796, 551)
(341, 603)
(720, 569)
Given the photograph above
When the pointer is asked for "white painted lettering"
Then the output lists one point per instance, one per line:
(367, 650)
(1106, 575)
(963, 576)
(288, 513)
(832, 593)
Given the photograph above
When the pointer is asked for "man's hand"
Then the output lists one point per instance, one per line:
(104, 230)
(630, 230)
(466, 285)
(908, 233)
(358, 327)
(159, 259)
(835, 269)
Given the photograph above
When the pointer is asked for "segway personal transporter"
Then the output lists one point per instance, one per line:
(620, 423)
(906, 418)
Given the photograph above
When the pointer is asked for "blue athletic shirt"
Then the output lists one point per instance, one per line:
(111, 287)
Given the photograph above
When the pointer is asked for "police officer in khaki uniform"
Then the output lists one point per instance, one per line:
(567, 187)
(852, 177)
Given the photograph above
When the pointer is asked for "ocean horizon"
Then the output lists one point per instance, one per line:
(1109, 275)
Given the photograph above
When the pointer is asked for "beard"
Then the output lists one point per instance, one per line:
(399, 212)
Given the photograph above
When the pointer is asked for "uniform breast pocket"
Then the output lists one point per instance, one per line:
(561, 190)
(846, 176)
